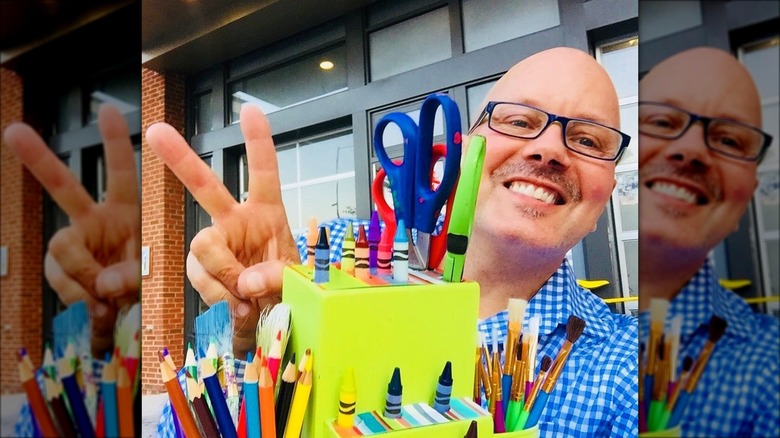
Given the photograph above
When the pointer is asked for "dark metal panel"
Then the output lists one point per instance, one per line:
(90, 136)
(600, 13)
(572, 16)
(361, 132)
(745, 13)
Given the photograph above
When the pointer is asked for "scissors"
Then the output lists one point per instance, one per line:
(414, 200)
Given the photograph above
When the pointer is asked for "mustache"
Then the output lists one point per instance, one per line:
(703, 177)
(570, 190)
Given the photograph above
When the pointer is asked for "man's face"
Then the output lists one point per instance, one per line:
(537, 192)
(690, 196)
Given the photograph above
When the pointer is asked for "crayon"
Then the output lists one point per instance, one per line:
(441, 401)
(394, 394)
(348, 251)
(347, 400)
(401, 253)
(374, 237)
(385, 252)
(361, 255)
(322, 258)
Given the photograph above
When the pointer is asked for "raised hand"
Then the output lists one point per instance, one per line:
(241, 256)
(97, 257)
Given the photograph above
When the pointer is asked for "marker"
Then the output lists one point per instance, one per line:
(322, 258)
(311, 242)
(401, 253)
(385, 253)
(441, 401)
(348, 252)
(394, 391)
(361, 255)
(463, 206)
(347, 400)
(374, 237)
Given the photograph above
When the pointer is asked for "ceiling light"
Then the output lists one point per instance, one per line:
(326, 65)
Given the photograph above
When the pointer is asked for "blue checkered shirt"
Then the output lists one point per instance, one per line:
(737, 395)
(596, 394)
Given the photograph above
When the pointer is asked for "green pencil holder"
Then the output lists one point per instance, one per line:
(373, 329)
(457, 430)
(674, 432)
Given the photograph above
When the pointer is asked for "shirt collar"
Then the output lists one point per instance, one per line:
(700, 299)
(561, 297)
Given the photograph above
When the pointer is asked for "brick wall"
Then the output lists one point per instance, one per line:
(21, 219)
(162, 210)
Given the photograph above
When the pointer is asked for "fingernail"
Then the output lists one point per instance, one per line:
(100, 310)
(242, 309)
(255, 282)
(112, 281)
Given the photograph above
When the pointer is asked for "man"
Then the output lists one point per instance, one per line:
(696, 181)
(518, 243)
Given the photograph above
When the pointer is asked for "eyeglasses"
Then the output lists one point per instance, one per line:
(727, 137)
(584, 137)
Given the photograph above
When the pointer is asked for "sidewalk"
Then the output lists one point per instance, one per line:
(150, 413)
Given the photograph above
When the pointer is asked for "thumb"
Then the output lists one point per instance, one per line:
(263, 280)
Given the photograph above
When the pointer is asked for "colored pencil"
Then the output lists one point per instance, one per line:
(110, 412)
(252, 397)
(55, 398)
(178, 401)
(217, 398)
(72, 390)
(35, 399)
(284, 399)
(300, 401)
(275, 356)
(265, 385)
(201, 408)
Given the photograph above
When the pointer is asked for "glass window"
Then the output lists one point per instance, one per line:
(308, 78)
(621, 60)
(631, 248)
(317, 176)
(628, 199)
(773, 254)
(122, 89)
(488, 22)
(413, 43)
(763, 61)
(69, 115)
(629, 114)
(665, 18)
(203, 111)
(476, 95)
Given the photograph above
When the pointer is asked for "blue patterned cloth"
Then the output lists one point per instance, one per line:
(737, 395)
(596, 394)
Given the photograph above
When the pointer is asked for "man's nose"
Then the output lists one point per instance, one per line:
(691, 148)
(548, 149)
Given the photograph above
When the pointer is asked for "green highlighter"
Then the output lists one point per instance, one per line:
(463, 207)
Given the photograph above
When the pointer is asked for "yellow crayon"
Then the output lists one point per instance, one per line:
(347, 400)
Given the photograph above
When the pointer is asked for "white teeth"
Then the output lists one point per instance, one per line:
(674, 190)
(533, 191)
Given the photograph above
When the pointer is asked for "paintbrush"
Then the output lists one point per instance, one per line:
(531, 340)
(530, 399)
(658, 309)
(717, 329)
(574, 328)
(516, 307)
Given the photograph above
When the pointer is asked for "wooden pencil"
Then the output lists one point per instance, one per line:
(179, 403)
(124, 402)
(35, 398)
(198, 401)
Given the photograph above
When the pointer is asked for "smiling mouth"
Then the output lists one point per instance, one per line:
(539, 193)
(679, 192)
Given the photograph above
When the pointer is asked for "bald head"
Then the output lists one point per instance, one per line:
(705, 80)
(564, 78)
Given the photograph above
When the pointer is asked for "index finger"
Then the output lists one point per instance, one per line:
(199, 179)
(264, 185)
(49, 170)
(122, 185)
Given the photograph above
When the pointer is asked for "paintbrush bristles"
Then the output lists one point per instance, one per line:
(574, 328)
(546, 363)
(516, 308)
(717, 328)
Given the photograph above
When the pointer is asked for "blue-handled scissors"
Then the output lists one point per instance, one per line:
(414, 199)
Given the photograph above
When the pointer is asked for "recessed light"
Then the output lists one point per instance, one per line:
(326, 65)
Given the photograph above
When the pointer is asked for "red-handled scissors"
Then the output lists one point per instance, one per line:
(414, 199)
(438, 243)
